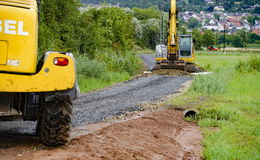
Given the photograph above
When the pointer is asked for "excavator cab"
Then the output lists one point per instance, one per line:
(186, 51)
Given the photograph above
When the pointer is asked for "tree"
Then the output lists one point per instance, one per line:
(145, 14)
(251, 19)
(182, 30)
(237, 41)
(197, 39)
(209, 38)
(182, 27)
(244, 35)
(257, 10)
(228, 5)
(138, 28)
(106, 28)
(253, 38)
(193, 23)
(151, 32)
(58, 21)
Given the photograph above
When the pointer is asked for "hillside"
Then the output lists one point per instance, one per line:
(194, 5)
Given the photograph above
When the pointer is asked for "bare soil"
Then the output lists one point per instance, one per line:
(156, 135)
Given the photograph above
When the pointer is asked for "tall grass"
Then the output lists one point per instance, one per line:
(106, 69)
(211, 83)
(251, 65)
(228, 102)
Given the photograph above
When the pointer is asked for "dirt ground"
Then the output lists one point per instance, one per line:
(149, 135)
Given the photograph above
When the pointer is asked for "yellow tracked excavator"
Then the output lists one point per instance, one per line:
(29, 90)
(179, 52)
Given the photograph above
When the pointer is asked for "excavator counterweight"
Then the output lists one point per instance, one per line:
(29, 90)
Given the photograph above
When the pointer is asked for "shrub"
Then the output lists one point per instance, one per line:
(91, 68)
(121, 62)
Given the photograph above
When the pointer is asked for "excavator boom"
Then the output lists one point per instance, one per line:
(172, 35)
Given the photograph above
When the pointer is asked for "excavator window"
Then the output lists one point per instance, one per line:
(185, 46)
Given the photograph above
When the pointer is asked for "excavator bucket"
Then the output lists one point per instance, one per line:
(178, 65)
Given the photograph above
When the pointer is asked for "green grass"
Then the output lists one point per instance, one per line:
(229, 106)
(230, 52)
(89, 84)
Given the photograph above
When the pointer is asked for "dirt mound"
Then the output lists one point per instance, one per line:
(155, 135)
(170, 72)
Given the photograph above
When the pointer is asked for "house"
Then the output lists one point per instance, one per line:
(256, 26)
(247, 27)
(256, 31)
(256, 5)
(186, 18)
(197, 17)
(99, 6)
(235, 21)
(213, 22)
(219, 8)
(257, 22)
(209, 2)
(211, 27)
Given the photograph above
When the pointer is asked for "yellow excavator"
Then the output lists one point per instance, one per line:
(29, 90)
(179, 52)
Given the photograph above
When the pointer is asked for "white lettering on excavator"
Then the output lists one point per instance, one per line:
(12, 27)
(20, 29)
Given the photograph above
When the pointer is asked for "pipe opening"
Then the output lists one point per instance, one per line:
(190, 114)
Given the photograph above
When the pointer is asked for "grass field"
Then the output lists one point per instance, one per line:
(229, 52)
(229, 106)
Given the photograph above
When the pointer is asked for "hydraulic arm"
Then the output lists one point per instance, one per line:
(172, 35)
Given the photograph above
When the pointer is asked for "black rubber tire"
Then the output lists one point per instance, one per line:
(54, 125)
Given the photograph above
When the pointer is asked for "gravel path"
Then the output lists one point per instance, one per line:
(95, 106)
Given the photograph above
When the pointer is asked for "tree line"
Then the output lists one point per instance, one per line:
(183, 5)
(207, 38)
(94, 32)
(64, 27)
